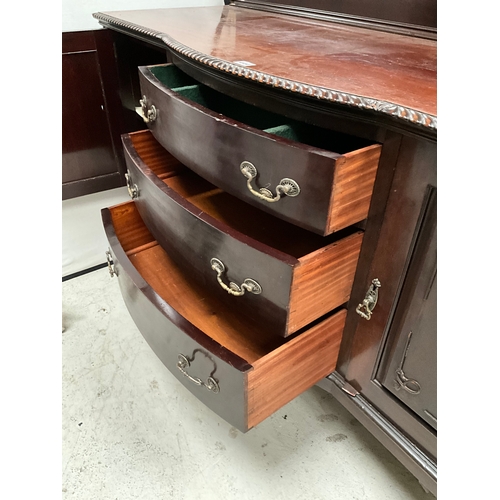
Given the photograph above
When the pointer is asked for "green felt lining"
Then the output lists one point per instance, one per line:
(255, 117)
(227, 106)
(286, 131)
(171, 76)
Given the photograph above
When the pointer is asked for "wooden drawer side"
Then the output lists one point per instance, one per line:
(303, 276)
(323, 281)
(293, 368)
(354, 178)
(213, 134)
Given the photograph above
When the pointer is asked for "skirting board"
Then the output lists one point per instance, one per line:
(420, 465)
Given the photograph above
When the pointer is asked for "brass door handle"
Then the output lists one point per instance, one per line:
(146, 111)
(132, 188)
(365, 309)
(287, 187)
(183, 362)
(248, 284)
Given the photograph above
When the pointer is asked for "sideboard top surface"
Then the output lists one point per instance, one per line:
(384, 72)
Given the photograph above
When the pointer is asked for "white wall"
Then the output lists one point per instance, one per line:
(77, 14)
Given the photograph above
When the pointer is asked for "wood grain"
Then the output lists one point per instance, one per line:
(194, 222)
(213, 146)
(158, 159)
(169, 334)
(293, 368)
(322, 281)
(129, 227)
(352, 190)
(384, 66)
(199, 307)
(404, 12)
(171, 311)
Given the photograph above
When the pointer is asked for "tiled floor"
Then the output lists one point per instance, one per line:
(131, 431)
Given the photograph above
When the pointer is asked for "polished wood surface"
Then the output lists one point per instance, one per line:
(415, 353)
(352, 187)
(386, 67)
(293, 368)
(394, 15)
(89, 156)
(169, 334)
(415, 174)
(323, 280)
(303, 276)
(177, 316)
(335, 183)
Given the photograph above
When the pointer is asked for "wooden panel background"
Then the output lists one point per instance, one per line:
(98, 97)
(402, 12)
(89, 159)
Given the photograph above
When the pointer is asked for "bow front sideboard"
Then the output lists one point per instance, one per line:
(281, 232)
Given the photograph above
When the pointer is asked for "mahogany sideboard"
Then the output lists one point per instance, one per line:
(292, 150)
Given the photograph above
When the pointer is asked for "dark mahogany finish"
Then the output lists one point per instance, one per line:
(418, 18)
(251, 244)
(248, 391)
(378, 86)
(365, 340)
(169, 335)
(214, 145)
(89, 159)
(99, 108)
(308, 57)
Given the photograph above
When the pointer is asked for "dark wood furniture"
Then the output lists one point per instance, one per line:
(368, 84)
(93, 117)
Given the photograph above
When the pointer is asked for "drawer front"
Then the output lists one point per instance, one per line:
(171, 336)
(193, 238)
(231, 367)
(332, 190)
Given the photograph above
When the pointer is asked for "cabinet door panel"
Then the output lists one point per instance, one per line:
(408, 369)
(87, 146)
(366, 363)
(89, 161)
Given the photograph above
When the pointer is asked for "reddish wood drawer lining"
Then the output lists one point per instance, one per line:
(305, 278)
(176, 317)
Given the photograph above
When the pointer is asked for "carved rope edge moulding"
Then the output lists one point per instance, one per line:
(388, 108)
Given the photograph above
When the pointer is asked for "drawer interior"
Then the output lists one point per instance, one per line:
(253, 116)
(233, 213)
(189, 299)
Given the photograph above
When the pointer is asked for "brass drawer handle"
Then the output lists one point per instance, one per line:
(183, 362)
(146, 111)
(248, 284)
(287, 187)
(132, 188)
(366, 307)
(111, 267)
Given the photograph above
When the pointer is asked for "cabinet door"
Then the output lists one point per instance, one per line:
(89, 162)
(403, 263)
(408, 367)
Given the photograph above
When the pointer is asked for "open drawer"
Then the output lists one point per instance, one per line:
(234, 369)
(276, 275)
(315, 178)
